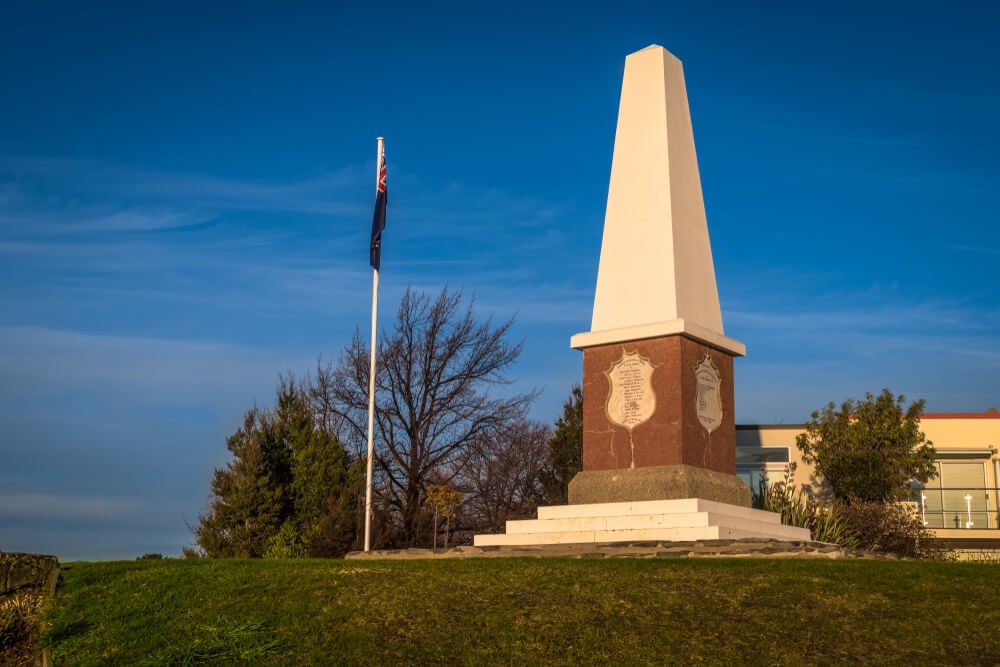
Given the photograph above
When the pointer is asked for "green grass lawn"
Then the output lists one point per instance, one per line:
(526, 611)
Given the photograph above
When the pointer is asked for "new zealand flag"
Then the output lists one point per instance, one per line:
(378, 224)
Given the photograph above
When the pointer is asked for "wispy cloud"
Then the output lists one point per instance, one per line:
(65, 507)
(329, 193)
(36, 361)
(342, 193)
(120, 430)
(116, 219)
(838, 318)
(977, 250)
(939, 350)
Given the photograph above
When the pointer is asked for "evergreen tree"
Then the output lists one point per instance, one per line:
(566, 448)
(290, 490)
(250, 496)
(325, 489)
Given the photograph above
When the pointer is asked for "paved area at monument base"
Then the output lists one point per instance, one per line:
(745, 548)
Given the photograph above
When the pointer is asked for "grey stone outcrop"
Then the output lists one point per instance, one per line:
(28, 571)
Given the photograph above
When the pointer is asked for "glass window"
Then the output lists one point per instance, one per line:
(957, 497)
(761, 455)
(751, 476)
(756, 463)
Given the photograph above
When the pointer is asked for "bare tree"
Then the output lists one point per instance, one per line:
(504, 475)
(436, 371)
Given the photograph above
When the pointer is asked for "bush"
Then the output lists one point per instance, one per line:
(285, 544)
(891, 527)
(885, 527)
(870, 449)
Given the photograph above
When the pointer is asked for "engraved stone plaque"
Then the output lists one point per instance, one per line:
(631, 400)
(709, 398)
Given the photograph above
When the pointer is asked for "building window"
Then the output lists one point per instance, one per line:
(958, 497)
(756, 463)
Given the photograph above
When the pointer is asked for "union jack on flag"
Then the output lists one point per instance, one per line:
(378, 223)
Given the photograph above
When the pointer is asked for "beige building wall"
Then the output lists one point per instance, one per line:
(961, 505)
(951, 431)
(768, 449)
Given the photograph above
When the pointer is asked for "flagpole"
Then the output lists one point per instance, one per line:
(371, 372)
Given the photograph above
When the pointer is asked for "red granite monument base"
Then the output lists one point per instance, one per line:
(672, 453)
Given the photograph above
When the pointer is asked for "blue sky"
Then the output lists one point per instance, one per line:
(186, 196)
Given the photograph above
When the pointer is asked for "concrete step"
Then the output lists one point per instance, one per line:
(684, 505)
(638, 522)
(637, 535)
(610, 522)
(664, 520)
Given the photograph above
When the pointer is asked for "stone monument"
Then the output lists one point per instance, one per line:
(659, 440)
(657, 367)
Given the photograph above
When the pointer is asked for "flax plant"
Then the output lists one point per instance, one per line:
(825, 521)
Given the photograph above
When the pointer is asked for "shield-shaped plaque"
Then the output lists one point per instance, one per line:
(631, 400)
(709, 398)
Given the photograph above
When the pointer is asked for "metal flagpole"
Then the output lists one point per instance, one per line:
(371, 372)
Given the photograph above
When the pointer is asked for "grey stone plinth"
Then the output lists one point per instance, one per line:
(657, 483)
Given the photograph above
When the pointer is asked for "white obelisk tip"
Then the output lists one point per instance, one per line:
(656, 274)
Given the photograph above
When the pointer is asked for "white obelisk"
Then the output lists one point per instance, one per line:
(656, 275)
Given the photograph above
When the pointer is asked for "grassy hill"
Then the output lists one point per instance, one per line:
(526, 611)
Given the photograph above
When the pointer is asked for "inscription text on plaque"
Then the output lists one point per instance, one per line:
(709, 398)
(631, 400)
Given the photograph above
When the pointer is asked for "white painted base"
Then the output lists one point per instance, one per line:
(661, 520)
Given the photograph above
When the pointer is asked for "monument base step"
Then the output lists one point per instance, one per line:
(686, 519)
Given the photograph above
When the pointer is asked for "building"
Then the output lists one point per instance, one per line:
(960, 505)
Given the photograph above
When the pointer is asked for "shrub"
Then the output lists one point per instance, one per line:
(885, 527)
(285, 544)
(891, 527)
(869, 449)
